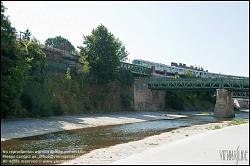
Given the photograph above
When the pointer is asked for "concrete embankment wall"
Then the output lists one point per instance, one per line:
(146, 99)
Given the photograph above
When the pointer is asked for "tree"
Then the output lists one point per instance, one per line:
(189, 74)
(8, 40)
(176, 76)
(12, 75)
(60, 43)
(104, 54)
(83, 68)
(84, 62)
(36, 58)
(68, 75)
(19, 61)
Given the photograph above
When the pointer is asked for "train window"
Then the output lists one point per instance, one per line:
(136, 62)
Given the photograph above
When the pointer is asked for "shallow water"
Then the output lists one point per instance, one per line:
(72, 143)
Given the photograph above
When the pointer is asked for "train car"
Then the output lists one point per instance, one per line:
(181, 69)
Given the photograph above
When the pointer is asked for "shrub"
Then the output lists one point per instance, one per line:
(125, 101)
(57, 109)
(174, 101)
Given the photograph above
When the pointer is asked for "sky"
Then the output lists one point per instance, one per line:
(212, 35)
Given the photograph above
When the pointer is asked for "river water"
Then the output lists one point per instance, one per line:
(60, 146)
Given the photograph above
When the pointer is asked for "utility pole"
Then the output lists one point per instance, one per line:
(20, 36)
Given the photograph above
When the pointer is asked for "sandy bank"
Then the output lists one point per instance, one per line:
(121, 151)
(31, 127)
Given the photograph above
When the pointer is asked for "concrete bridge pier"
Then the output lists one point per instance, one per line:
(146, 99)
(224, 106)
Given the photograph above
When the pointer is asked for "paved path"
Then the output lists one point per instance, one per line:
(204, 148)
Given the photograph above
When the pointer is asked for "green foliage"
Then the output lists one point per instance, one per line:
(20, 61)
(176, 76)
(126, 101)
(28, 89)
(125, 77)
(68, 75)
(37, 99)
(36, 59)
(189, 74)
(237, 122)
(104, 53)
(14, 69)
(7, 35)
(190, 100)
(60, 43)
(57, 109)
(84, 70)
(217, 127)
(174, 101)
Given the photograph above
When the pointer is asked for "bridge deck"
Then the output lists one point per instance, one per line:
(198, 83)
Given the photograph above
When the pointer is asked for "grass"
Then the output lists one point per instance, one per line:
(217, 127)
(237, 122)
(231, 123)
(206, 113)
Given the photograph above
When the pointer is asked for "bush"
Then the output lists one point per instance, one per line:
(174, 101)
(37, 99)
(57, 109)
(217, 127)
(187, 100)
(125, 101)
(237, 122)
(125, 77)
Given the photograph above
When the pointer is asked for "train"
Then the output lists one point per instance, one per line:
(181, 70)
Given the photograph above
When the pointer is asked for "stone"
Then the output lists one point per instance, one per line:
(224, 106)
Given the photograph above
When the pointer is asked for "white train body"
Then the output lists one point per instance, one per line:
(167, 70)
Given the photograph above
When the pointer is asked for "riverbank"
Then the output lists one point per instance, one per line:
(121, 151)
(20, 128)
(115, 151)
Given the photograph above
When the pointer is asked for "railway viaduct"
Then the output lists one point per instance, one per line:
(149, 90)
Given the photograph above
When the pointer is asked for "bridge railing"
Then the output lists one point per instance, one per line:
(238, 94)
(198, 83)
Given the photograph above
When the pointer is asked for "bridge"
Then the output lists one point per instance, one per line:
(241, 95)
(236, 85)
(225, 88)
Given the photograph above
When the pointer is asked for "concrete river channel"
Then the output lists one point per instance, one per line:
(67, 145)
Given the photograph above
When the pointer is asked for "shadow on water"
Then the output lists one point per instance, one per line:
(80, 141)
